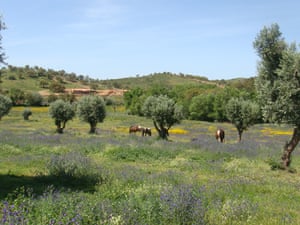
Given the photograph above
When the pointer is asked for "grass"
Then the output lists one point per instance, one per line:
(114, 177)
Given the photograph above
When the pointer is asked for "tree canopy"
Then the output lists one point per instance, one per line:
(164, 112)
(242, 114)
(91, 109)
(62, 112)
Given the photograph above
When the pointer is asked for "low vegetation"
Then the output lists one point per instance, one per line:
(66, 176)
(113, 177)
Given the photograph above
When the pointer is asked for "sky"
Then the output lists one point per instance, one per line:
(110, 39)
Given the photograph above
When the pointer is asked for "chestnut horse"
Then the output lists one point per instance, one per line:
(137, 128)
(220, 135)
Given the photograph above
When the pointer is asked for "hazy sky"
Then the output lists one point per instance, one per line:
(108, 39)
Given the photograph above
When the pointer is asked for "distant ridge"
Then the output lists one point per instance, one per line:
(36, 79)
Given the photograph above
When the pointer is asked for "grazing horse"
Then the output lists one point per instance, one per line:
(146, 131)
(137, 128)
(220, 135)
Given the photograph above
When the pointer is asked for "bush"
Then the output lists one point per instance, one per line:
(75, 168)
(34, 99)
(183, 205)
(26, 114)
(5, 105)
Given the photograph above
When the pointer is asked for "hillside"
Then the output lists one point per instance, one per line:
(36, 79)
(165, 78)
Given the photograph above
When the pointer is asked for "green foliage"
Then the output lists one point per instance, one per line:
(141, 154)
(33, 99)
(133, 100)
(75, 167)
(39, 79)
(52, 98)
(91, 109)
(211, 104)
(26, 113)
(68, 97)
(2, 54)
(242, 113)
(61, 112)
(57, 87)
(161, 89)
(164, 78)
(269, 45)
(44, 83)
(183, 205)
(17, 96)
(202, 107)
(283, 106)
(5, 105)
(164, 112)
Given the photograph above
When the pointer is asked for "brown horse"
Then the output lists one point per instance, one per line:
(220, 135)
(146, 131)
(137, 128)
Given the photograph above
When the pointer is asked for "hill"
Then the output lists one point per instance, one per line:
(166, 78)
(37, 79)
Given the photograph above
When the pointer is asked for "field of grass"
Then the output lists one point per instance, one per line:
(116, 178)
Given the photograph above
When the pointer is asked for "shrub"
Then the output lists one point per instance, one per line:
(183, 205)
(34, 99)
(26, 114)
(5, 105)
(74, 167)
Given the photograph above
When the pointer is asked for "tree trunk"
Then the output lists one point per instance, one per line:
(59, 130)
(240, 135)
(162, 131)
(93, 128)
(289, 148)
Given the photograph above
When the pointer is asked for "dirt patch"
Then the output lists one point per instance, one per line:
(86, 91)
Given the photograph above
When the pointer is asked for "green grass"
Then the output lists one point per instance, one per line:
(113, 177)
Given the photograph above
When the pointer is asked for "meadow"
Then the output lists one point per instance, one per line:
(115, 178)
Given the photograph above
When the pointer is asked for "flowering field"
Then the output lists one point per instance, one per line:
(114, 177)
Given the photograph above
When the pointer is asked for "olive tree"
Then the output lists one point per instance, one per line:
(5, 105)
(164, 112)
(242, 114)
(278, 84)
(62, 112)
(2, 54)
(91, 109)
